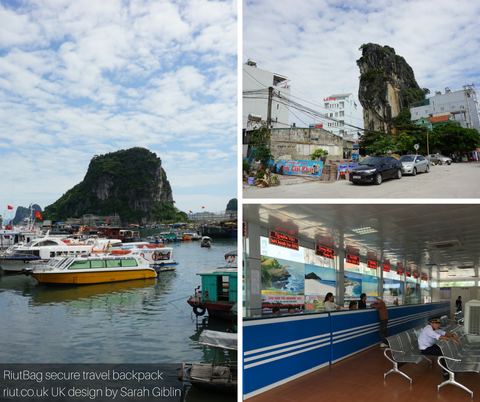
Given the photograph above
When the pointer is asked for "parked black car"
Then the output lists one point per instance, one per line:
(376, 169)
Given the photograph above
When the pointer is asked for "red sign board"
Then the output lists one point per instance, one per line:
(386, 266)
(353, 259)
(372, 264)
(409, 274)
(400, 271)
(415, 274)
(283, 240)
(329, 99)
(323, 251)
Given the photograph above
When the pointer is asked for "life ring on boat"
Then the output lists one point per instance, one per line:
(155, 256)
(231, 259)
(199, 310)
(142, 255)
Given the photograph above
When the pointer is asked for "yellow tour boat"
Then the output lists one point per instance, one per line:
(89, 269)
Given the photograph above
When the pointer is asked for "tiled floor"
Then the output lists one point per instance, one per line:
(360, 378)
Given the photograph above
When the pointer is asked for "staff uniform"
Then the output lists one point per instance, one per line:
(428, 337)
(427, 343)
(362, 304)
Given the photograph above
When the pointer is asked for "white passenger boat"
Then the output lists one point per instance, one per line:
(186, 236)
(158, 256)
(88, 269)
(45, 248)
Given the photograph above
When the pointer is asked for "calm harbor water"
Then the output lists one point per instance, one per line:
(145, 321)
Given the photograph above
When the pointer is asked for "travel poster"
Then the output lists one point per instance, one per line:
(412, 293)
(319, 280)
(282, 277)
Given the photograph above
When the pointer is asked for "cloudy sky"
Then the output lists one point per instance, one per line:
(316, 43)
(80, 78)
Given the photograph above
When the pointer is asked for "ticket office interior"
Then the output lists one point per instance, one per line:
(424, 247)
(415, 236)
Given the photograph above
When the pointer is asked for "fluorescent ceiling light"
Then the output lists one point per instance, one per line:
(364, 230)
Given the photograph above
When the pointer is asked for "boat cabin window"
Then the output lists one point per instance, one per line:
(98, 263)
(129, 262)
(26, 253)
(113, 263)
(47, 243)
(79, 264)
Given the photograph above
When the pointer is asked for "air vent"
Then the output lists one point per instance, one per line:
(440, 245)
(472, 317)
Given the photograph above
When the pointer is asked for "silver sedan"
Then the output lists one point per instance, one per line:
(412, 164)
(439, 159)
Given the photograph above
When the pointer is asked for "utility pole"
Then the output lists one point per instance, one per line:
(269, 107)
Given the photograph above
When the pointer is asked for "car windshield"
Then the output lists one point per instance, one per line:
(371, 161)
(407, 158)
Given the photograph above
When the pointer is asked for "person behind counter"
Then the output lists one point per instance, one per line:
(329, 304)
(353, 305)
(362, 303)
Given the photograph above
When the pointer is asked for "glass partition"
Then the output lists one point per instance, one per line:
(359, 279)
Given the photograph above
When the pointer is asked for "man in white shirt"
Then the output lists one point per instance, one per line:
(430, 335)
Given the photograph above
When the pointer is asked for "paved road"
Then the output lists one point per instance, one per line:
(459, 180)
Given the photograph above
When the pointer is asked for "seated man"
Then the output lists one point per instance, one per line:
(430, 335)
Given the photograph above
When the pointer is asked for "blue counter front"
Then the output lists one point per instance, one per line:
(280, 349)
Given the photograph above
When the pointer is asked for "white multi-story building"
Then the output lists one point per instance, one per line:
(462, 104)
(340, 115)
(256, 84)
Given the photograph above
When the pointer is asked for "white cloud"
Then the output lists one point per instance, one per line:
(85, 78)
(316, 44)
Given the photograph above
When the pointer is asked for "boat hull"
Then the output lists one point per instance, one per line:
(9, 264)
(202, 376)
(220, 310)
(88, 278)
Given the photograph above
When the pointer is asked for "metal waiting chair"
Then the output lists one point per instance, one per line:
(455, 364)
(400, 356)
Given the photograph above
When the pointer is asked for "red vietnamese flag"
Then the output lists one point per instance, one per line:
(203, 207)
(9, 207)
(191, 212)
(37, 214)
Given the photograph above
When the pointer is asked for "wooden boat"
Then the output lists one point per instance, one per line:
(89, 269)
(220, 377)
(218, 291)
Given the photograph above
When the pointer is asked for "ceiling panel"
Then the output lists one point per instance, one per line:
(403, 231)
